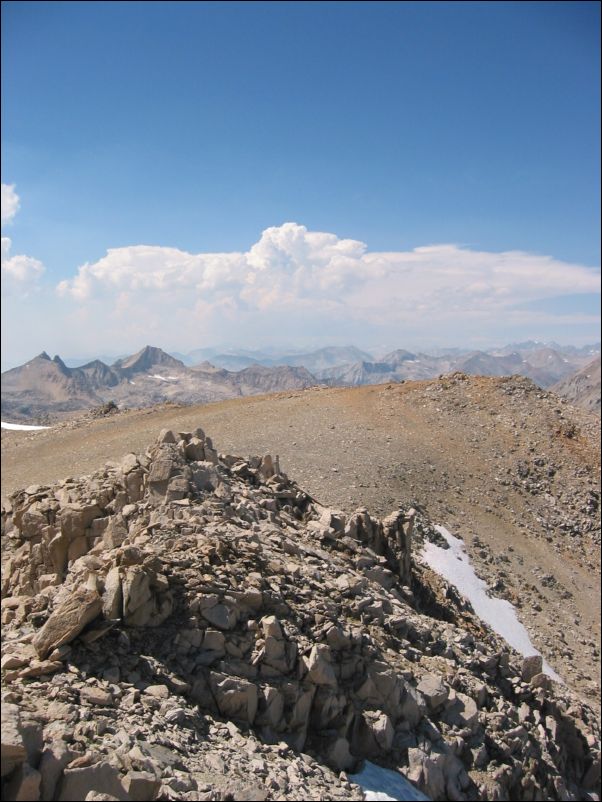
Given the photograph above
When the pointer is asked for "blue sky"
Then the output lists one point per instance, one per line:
(199, 127)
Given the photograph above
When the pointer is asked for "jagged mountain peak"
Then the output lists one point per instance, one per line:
(58, 361)
(146, 358)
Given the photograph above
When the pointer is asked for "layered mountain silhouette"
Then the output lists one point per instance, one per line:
(46, 386)
(543, 364)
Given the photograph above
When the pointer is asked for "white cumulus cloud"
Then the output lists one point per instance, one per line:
(19, 272)
(291, 265)
(295, 286)
(10, 203)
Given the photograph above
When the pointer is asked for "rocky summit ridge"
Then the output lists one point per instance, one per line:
(192, 625)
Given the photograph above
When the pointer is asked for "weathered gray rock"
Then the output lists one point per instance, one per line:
(412, 706)
(434, 690)
(141, 786)
(320, 667)
(68, 620)
(461, 711)
(24, 785)
(340, 756)
(532, 665)
(222, 616)
(137, 596)
(541, 680)
(112, 596)
(96, 696)
(55, 757)
(288, 618)
(194, 450)
(75, 519)
(101, 777)
(115, 531)
(383, 731)
(236, 698)
(13, 746)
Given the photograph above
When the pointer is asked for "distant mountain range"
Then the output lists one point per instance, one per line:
(543, 364)
(45, 386)
(321, 359)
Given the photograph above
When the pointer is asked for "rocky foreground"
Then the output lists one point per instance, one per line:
(188, 625)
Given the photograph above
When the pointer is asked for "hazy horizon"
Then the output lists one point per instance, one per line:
(292, 350)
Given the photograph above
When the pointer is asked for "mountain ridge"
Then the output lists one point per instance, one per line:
(45, 386)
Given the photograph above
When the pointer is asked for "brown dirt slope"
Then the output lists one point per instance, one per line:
(508, 467)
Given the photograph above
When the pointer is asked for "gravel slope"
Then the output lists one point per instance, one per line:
(510, 468)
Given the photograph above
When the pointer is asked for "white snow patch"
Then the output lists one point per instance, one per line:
(164, 378)
(453, 564)
(131, 382)
(22, 427)
(382, 785)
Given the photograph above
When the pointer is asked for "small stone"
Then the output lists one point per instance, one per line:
(158, 691)
(96, 696)
(433, 690)
(532, 665)
(141, 786)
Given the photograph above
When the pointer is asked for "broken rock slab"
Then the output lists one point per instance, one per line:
(68, 620)
(24, 785)
(433, 690)
(13, 746)
(532, 665)
(101, 777)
